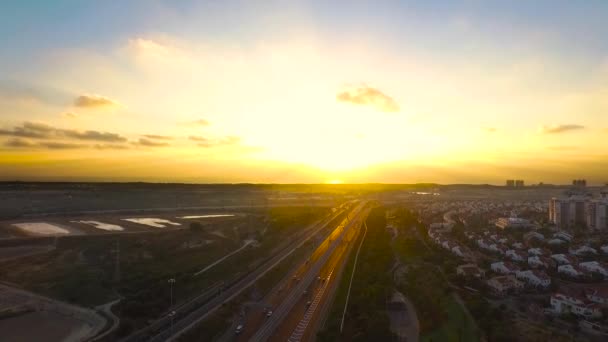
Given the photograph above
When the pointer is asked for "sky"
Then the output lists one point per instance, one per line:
(304, 91)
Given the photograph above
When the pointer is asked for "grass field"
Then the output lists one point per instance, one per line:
(457, 326)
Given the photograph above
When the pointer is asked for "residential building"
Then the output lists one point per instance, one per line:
(504, 267)
(540, 261)
(594, 267)
(504, 284)
(535, 251)
(571, 271)
(458, 250)
(563, 236)
(563, 259)
(582, 250)
(563, 302)
(568, 211)
(534, 278)
(512, 222)
(533, 235)
(556, 242)
(580, 209)
(598, 295)
(517, 245)
(516, 255)
(579, 182)
(597, 214)
(470, 270)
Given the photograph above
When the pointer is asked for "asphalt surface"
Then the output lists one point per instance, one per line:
(255, 316)
(305, 286)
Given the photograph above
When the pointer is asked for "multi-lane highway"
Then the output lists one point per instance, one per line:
(256, 316)
(297, 308)
(184, 321)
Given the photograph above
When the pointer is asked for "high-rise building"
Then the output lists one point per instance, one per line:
(519, 183)
(579, 210)
(510, 183)
(579, 183)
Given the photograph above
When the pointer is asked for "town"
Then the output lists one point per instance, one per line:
(545, 260)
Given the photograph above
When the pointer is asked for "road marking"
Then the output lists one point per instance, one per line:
(298, 333)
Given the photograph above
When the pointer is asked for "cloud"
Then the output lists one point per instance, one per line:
(110, 147)
(36, 130)
(93, 135)
(70, 115)
(560, 128)
(150, 143)
(60, 145)
(92, 101)
(368, 96)
(206, 142)
(30, 130)
(157, 137)
(197, 138)
(52, 145)
(199, 122)
(19, 143)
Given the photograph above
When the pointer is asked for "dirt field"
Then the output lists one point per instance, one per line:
(43, 326)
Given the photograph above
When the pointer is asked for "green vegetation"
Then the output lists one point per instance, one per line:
(366, 318)
(440, 315)
(456, 327)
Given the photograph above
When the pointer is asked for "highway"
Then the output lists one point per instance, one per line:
(184, 321)
(303, 322)
(255, 316)
(292, 308)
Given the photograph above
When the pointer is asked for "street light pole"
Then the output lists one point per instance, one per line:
(172, 313)
(171, 282)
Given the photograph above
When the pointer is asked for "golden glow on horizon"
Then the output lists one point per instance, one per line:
(279, 100)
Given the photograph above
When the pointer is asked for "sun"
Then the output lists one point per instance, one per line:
(334, 181)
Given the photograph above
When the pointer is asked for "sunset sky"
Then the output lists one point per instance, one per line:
(304, 91)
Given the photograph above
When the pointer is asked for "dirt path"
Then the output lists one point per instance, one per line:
(404, 322)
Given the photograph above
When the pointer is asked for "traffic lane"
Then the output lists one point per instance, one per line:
(293, 318)
(256, 318)
(269, 328)
(310, 333)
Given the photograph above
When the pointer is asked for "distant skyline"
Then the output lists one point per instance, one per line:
(304, 91)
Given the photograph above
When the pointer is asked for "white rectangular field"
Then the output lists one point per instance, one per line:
(205, 216)
(41, 228)
(101, 225)
(153, 222)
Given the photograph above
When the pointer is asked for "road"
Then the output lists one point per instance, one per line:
(183, 322)
(247, 243)
(293, 308)
(255, 317)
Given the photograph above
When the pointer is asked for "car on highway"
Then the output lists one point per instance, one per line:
(239, 329)
(308, 303)
(268, 313)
